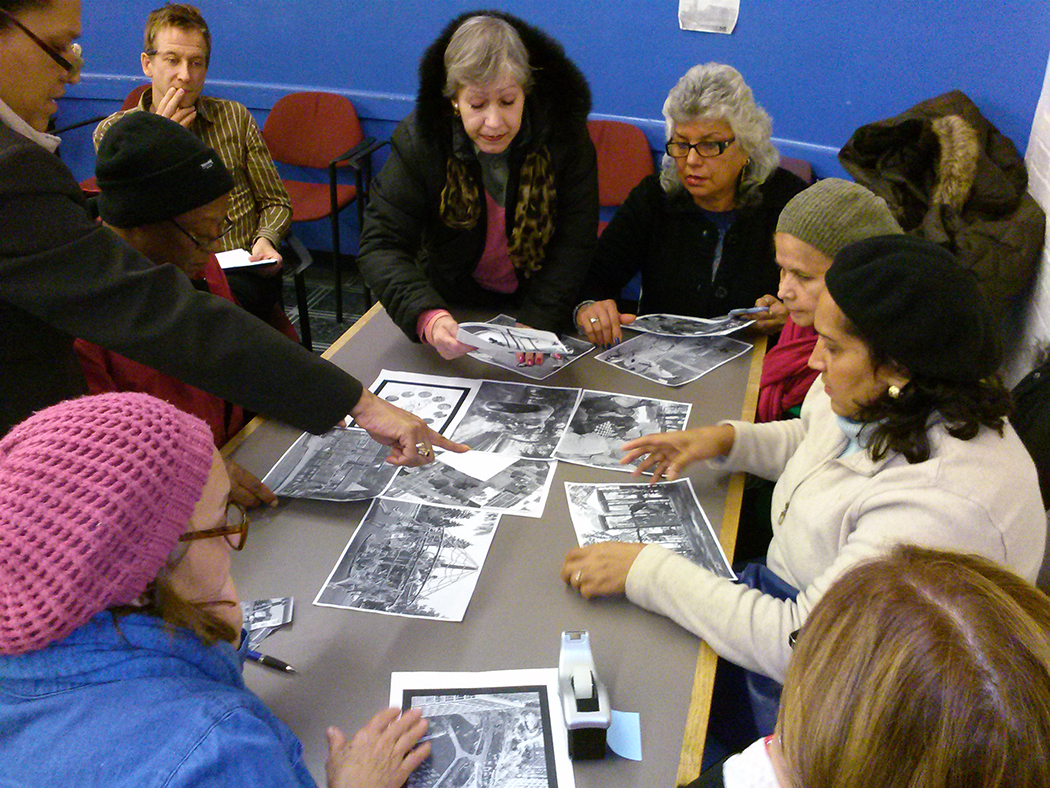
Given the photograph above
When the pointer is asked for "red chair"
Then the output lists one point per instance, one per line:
(624, 159)
(90, 186)
(321, 131)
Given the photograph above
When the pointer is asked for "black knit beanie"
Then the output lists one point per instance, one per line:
(913, 303)
(150, 169)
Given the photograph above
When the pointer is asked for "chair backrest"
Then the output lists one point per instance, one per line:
(310, 129)
(624, 158)
(132, 99)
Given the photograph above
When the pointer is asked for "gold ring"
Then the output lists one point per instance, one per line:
(422, 449)
(576, 577)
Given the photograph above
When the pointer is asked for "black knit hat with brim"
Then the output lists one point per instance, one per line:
(914, 304)
(150, 169)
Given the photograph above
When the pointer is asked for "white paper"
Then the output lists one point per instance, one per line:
(521, 488)
(667, 514)
(672, 361)
(684, 326)
(512, 717)
(481, 465)
(603, 422)
(341, 465)
(708, 16)
(411, 560)
(503, 340)
(576, 348)
(238, 258)
(440, 401)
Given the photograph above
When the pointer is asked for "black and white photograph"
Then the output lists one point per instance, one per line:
(502, 729)
(516, 419)
(408, 559)
(667, 514)
(575, 348)
(604, 422)
(341, 465)
(498, 339)
(519, 488)
(263, 617)
(683, 326)
(438, 400)
(672, 361)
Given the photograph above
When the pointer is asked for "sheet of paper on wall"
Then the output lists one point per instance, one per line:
(603, 422)
(412, 560)
(239, 258)
(684, 326)
(575, 348)
(708, 16)
(517, 419)
(341, 465)
(672, 361)
(490, 728)
(521, 488)
(667, 514)
(438, 400)
(509, 340)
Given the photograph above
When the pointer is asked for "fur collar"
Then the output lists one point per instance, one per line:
(557, 106)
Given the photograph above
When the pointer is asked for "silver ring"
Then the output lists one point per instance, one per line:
(422, 450)
(594, 320)
(576, 577)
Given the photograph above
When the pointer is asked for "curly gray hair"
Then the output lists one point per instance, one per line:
(482, 49)
(715, 91)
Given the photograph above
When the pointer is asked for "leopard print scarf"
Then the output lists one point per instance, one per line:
(533, 214)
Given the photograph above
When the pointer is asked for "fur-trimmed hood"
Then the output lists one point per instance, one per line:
(558, 104)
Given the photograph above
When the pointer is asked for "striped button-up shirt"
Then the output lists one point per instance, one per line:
(259, 204)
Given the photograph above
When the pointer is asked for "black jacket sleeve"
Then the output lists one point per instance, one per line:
(64, 276)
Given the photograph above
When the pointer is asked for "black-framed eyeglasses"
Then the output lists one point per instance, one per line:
(235, 531)
(69, 66)
(207, 243)
(705, 149)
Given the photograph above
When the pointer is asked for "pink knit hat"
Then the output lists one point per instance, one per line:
(94, 494)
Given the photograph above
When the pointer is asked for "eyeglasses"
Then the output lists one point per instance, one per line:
(235, 531)
(705, 149)
(69, 66)
(207, 243)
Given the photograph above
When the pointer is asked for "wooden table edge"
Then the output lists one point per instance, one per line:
(697, 717)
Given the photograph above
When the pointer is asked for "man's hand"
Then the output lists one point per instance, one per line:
(381, 755)
(246, 489)
(601, 322)
(443, 337)
(410, 440)
(262, 249)
(774, 318)
(600, 569)
(170, 107)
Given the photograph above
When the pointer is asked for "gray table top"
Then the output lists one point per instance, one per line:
(519, 607)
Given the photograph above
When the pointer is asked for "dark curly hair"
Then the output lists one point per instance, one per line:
(901, 423)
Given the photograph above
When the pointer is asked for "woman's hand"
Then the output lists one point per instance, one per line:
(443, 338)
(600, 569)
(601, 322)
(668, 453)
(381, 755)
(246, 489)
(529, 359)
(410, 440)
(775, 316)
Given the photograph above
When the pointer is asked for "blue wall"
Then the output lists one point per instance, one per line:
(820, 68)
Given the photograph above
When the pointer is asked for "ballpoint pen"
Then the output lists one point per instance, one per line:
(270, 662)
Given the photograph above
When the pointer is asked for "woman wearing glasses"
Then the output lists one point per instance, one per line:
(700, 231)
(120, 628)
(490, 194)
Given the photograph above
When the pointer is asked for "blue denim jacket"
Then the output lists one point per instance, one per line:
(137, 705)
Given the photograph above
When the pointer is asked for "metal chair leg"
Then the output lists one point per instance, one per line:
(305, 335)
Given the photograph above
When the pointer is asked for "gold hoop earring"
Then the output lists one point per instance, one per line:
(893, 391)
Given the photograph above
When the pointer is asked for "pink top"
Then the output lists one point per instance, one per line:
(494, 270)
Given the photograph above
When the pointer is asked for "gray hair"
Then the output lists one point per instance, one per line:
(482, 49)
(715, 91)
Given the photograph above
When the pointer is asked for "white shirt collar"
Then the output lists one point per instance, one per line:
(751, 768)
(10, 118)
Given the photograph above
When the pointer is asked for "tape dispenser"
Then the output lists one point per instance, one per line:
(584, 699)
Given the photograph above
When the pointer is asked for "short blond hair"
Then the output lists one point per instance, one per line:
(922, 669)
(181, 16)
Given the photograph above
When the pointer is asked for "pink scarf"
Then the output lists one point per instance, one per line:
(785, 375)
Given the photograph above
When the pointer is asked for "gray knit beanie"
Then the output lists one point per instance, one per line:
(833, 213)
